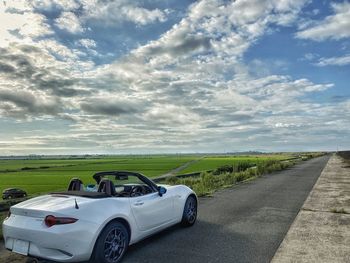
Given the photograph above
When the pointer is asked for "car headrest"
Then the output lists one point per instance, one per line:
(75, 185)
(106, 186)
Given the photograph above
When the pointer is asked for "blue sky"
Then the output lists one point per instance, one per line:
(90, 76)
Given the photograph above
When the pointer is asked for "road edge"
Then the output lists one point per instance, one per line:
(321, 230)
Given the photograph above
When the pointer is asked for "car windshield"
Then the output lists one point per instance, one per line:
(125, 180)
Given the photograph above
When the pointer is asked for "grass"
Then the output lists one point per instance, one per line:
(208, 182)
(40, 176)
(213, 162)
(242, 169)
(225, 171)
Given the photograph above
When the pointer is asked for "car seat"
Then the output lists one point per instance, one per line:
(76, 185)
(106, 186)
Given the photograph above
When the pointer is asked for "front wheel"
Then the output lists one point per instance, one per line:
(111, 244)
(190, 212)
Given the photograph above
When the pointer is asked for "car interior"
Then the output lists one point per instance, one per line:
(125, 187)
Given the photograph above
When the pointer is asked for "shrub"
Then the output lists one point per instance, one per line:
(223, 169)
(172, 180)
(242, 166)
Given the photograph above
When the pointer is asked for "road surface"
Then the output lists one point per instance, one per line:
(245, 223)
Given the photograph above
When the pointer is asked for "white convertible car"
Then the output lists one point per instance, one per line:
(97, 225)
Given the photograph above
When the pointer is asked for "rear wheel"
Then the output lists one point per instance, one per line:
(190, 211)
(111, 244)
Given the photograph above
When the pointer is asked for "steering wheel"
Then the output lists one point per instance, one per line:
(136, 190)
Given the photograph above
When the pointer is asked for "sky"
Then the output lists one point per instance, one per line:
(169, 76)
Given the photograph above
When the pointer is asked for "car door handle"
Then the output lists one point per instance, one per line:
(138, 203)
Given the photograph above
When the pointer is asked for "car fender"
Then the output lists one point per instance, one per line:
(180, 193)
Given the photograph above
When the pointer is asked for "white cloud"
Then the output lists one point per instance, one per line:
(334, 61)
(66, 5)
(142, 16)
(70, 22)
(87, 43)
(226, 29)
(24, 23)
(114, 12)
(336, 26)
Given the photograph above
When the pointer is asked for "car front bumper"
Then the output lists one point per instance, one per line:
(61, 243)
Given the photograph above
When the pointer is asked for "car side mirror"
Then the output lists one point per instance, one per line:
(161, 190)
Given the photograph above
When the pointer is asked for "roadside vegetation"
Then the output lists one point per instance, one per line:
(213, 162)
(228, 175)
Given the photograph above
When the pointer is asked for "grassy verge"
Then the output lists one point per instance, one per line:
(209, 182)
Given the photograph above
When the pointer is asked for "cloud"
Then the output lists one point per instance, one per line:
(6, 68)
(23, 24)
(70, 22)
(225, 29)
(334, 61)
(143, 16)
(114, 12)
(87, 43)
(49, 5)
(108, 106)
(336, 26)
(22, 103)
(177, 45)
(40, 81)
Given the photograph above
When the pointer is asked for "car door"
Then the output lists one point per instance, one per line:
(152, 210)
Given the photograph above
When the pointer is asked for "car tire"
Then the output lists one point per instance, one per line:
(9, 197)
(112, 244)
(189, 215)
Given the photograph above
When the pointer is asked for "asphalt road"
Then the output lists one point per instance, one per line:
(246, 223)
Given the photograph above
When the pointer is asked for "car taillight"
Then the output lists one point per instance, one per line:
(52, 220)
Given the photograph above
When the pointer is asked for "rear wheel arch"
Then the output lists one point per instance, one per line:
(195, 197)
(120, 220)
(191, 195)
(125, 223)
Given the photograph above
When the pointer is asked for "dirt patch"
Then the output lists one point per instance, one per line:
(7, 257)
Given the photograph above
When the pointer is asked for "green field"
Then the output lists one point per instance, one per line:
(44, 175)
(40, 176)
(212, 162)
